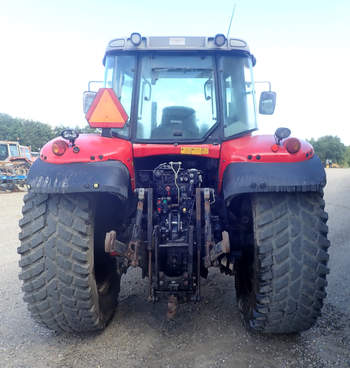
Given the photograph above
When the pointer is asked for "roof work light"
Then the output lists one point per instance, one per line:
(219, 40)
(135, 38)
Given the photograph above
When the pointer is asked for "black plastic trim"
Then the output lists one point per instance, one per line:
(105, 176)
(251, 177)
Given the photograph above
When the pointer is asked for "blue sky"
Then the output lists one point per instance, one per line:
(51, 49)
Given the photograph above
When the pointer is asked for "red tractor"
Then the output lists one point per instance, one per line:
(175, 182)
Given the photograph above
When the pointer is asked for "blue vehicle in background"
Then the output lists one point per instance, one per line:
(15, 162)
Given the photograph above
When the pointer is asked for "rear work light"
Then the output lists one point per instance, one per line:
(135, 38)
(292, 145)
(220, 40)
(59, 147)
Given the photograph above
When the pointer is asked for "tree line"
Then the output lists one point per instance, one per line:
(331, 148)
(36, 134)
(31, 133)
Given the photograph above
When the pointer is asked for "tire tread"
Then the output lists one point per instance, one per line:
(290, 263)
(55, 260)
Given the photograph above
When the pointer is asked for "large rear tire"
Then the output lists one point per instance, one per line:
(281, 278)
(69, 283)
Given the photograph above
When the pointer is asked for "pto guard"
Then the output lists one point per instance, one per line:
(106, 176)
(251, 177)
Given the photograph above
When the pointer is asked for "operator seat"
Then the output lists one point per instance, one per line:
(177, 121)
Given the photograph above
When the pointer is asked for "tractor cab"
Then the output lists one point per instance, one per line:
(182, 89)
(9, 150)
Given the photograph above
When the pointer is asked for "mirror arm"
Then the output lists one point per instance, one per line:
(91, 82)
(106, 132)
(264, 82)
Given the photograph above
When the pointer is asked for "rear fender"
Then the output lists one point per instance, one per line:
(253, 164)
(253, 177)
(92, 164)
(92, 148)
(104, 176)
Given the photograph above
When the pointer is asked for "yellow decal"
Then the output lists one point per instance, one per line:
(186, 150)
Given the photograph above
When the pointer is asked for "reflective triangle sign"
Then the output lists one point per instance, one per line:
(106, 111)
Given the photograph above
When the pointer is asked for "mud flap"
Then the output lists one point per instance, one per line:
(106, 176)
(251, 177)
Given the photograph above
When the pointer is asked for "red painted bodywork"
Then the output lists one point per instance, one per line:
(257, 149)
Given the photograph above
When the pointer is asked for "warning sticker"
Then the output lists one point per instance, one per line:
(185, 150)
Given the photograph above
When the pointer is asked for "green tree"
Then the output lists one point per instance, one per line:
(10, 128)
(32, 133)
(26, 132)
(329, 147)
(57, 130)
(347, 157)
(35, 134)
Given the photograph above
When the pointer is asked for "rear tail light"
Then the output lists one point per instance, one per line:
(292, 145)
(59, 147)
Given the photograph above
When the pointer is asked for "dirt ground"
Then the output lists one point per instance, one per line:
(207, 334)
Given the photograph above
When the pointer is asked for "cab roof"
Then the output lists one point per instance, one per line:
(136, 42)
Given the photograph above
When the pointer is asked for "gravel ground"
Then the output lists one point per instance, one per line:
(207, 334)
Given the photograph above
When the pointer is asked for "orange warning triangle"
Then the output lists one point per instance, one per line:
(106, 111)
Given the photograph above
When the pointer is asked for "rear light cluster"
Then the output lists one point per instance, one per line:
(59, 147)
(292, 145)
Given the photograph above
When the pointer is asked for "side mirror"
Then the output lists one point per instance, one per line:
(88, 97)
(267, 103)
